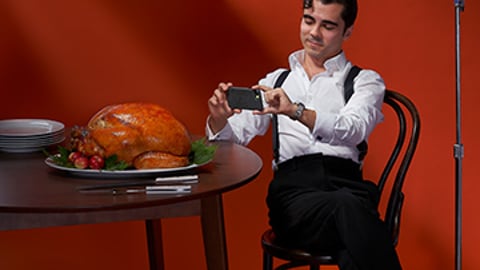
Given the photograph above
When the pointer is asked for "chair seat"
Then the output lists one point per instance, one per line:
(299, 256)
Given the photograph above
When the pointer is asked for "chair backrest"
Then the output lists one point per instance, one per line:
(402, 154)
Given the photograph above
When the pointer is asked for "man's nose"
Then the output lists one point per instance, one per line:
(316, 31)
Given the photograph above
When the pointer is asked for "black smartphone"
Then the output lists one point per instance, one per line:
(244, 98)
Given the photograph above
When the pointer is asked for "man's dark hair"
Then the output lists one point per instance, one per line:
(349, 13)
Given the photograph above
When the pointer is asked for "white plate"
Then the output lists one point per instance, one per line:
(39, 142)
(28, 127)
(121, 173)
(17, 139)
(29, 147)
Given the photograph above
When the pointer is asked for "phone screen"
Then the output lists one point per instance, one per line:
(244, 98)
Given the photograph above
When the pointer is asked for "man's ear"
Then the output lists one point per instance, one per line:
(348, 33)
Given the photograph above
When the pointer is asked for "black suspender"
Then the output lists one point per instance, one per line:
(348, 84)
(348, 92)
(275, 138)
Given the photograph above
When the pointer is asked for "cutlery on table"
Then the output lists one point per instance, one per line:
(159, 182)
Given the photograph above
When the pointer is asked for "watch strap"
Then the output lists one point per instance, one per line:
(299, 112)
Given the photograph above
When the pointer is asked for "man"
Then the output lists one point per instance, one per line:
(318, 199)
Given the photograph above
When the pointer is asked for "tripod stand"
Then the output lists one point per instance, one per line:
(458, 148)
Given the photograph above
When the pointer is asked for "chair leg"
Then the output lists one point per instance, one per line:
(267, 261)
(314, 267)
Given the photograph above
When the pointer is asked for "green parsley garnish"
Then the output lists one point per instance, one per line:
(113, 164)
(61, 158)
(201, 153)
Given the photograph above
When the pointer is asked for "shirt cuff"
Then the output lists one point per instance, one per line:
(324, 125)
(224, 134)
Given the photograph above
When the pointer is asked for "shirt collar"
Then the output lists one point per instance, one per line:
(332, 65)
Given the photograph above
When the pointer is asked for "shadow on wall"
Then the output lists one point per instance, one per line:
(75, 57)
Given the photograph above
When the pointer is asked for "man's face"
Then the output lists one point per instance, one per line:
(322, 31)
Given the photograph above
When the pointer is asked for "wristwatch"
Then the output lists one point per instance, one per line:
(299, 111)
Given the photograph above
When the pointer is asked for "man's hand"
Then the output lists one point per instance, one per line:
(278, 102)
(219, 109)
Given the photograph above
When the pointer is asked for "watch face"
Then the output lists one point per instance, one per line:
(299, 111)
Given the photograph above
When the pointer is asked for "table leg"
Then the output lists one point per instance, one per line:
(154, 242)
(214, 233)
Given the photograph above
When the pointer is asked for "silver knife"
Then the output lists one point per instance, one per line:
(170, 189)
(171, 180)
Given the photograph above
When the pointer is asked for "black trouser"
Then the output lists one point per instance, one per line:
(322, 203)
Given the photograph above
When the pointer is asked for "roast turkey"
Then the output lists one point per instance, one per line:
(143, 135)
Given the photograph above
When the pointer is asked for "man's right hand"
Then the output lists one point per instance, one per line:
(219, 109)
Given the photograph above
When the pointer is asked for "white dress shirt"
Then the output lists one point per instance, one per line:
(339, 127)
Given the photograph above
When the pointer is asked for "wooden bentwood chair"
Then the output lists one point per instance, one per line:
(399, 162)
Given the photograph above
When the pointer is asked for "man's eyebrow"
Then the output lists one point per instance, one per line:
(307, 16)
(329, 22)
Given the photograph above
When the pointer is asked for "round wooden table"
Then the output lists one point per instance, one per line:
(33, 195)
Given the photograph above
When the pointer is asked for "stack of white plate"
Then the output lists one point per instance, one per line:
(29, 135)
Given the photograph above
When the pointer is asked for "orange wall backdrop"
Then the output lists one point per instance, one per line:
(65, 60)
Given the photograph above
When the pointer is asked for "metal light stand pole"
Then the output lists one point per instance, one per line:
(458, 148)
